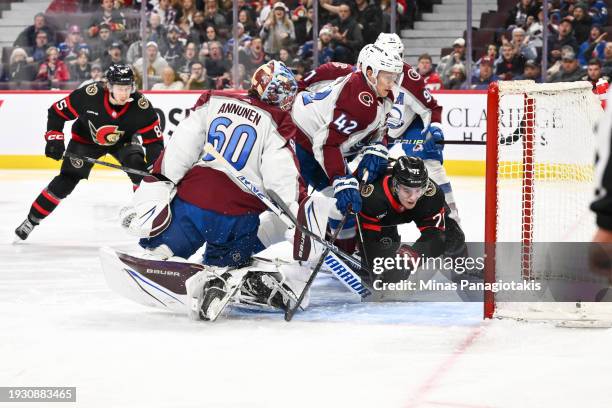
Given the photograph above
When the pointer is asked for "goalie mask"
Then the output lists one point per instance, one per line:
(275, 84)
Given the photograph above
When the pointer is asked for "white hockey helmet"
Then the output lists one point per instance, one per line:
(377, 59)
(390, 42)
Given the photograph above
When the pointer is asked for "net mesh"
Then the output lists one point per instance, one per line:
(546, 151)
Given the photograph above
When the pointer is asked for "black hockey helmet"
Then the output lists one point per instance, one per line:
(410, 172)
(120, 74)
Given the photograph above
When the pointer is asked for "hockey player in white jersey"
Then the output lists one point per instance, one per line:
(340, 121)
(190, 200)
(415, 121)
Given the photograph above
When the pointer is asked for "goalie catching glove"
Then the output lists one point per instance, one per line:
(149, 213)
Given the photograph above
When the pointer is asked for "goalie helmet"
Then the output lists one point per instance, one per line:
(377, 59)
(410, 172)
(275, 84)
(390, 42)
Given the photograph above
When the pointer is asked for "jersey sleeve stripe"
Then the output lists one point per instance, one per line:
(59, 112)
(149, 141)
(147, 128)
(70, 107)
(361, 214)
(371, 227)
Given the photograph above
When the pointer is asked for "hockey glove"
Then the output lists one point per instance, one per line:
(149, 213)
(431, 135)
(55, 145)
(374, 162)
(346, 193)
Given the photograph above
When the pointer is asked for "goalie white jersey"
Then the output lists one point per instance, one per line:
(253, 136)
(336, 122)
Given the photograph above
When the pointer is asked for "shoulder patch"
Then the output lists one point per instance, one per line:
(413, 74)
(143, 102)
(366, 98)
(431, 189)
(91, 90)
(367, 189)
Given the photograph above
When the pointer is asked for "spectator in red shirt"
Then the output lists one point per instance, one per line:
(431, 77)
(53, 69)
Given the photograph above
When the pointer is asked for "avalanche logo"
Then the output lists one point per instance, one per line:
(366, 98)
(106, 135)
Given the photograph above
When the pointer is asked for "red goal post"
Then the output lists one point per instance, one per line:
(539, 181)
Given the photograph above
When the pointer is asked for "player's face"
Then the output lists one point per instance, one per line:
(385, 82)
(408, 196)
(121, 93)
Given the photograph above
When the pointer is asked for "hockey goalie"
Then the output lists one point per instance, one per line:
(191, 200)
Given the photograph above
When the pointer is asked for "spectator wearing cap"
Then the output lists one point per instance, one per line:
(81, 69)
(19, 69)
(96, 75)
(581, 22)
(456, 77)
(570, 70)
(113, 56)
(521, 44)
(425, 68)
(485, 76)
(563, 38)
(532, 71)
(277, 31)
(27, 38)
(70, 49)
(326, 51)
(593, 47)
(243, 40)
(190, 55)
(594, 72)
(369, 15)
(168, 81)
(347, 38)
(213, 17)
(517, 16)
(100, 44)
(38, 53)
(172, 49)
(156, 64)
(457, 56)
(198, 78)
(510, 64)
(302, 23)
(53, 69)
(166, 12)
(253, 56)
(107, 14)
(215, 64)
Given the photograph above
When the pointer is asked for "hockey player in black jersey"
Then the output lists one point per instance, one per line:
(403, 196)
(108, 118)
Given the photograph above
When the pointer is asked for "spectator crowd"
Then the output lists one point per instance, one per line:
(188, 44)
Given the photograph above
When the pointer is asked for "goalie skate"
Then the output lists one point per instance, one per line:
(266, 290)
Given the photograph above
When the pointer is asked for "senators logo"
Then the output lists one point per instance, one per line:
(143, 103)
(91, 90)
(366, 98)
(366, 190)
(106, 135)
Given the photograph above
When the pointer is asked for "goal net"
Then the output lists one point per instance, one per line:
(540, 167)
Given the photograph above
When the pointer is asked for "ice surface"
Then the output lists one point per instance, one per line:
(61, 326)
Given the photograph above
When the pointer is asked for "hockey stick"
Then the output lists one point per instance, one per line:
(291, 310)
(107, 164)
(461, 142)
(278, 207)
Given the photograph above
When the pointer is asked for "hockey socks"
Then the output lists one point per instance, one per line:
(44, 204)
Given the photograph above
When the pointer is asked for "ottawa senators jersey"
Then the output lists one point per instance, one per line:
(99, 122)
(381, 209)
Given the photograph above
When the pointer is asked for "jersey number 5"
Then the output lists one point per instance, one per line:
(237, 148)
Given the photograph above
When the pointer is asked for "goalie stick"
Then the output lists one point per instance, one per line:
(278, 207)
(107, 164)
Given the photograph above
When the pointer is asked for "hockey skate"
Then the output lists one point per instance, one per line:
(267, 290)
(211, 290)
(24, 230)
